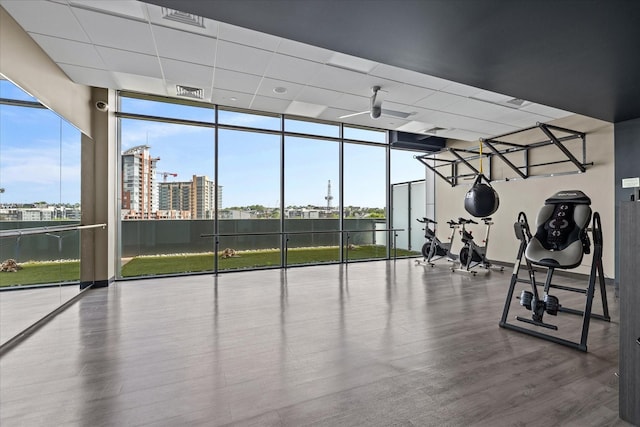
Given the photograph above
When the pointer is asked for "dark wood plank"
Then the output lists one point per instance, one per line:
(378, 343)
(630, 309)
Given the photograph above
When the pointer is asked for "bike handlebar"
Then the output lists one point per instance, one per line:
(466, 221)
(426, 220)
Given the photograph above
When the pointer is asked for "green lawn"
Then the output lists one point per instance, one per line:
(69, 271)
(155, 265)
(34, 273)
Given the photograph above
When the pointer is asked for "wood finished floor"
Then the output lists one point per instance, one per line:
(371, 344)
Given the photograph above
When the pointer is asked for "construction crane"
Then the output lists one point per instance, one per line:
(166, 174)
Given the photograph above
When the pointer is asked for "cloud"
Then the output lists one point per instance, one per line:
(136, 132)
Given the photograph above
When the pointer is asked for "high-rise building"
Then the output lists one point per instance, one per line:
(139, 187)
(193, 199)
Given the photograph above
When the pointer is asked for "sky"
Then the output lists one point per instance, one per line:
(40, 156)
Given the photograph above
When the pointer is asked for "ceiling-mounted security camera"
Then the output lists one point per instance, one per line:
(102, 106)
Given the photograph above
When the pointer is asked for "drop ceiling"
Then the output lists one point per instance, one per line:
(135, 46)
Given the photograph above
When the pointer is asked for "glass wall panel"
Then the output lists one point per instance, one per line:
(168, 196)
(312, 194)
(367, 135)
(365, 200)
(249, 174)
(147, 107)
(249, 120)
(10, 91)
(406, 173)
(39, 187)
(312, 128)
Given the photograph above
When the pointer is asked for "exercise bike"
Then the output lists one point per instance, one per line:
(473, 255)
(434, 249)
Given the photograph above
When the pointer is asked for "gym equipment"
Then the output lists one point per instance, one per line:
(481, 200)
(433, 249)
(473, 255)
(560, 242)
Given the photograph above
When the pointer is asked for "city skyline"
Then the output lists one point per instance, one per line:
(40, 158)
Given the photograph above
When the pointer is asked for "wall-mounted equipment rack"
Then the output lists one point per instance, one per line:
(499, 149)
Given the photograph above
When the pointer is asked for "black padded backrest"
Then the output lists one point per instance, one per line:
(561, 235)
(560, 225)
(563, 219)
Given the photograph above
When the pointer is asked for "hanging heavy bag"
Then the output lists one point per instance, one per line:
(481, 200)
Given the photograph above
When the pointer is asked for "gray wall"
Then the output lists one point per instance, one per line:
(39, 247)
(627, 165)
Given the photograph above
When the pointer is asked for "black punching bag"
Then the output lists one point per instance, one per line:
(481, 200)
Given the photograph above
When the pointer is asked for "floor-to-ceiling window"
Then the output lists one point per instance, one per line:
(168, 190)
(39, 210)
(312, 192)
(365, 194)
(249, 174)
(206, 189)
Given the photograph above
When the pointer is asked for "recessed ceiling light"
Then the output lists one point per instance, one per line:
(233, 98)
(280, 90)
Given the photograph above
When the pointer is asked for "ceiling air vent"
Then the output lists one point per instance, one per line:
(183, 17)
(190, 92)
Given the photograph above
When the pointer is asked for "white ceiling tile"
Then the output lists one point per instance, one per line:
(171, 44)
(491, 96)
(231, 98)
(236, 57)
(408, 109)
(543, 110)
(404, 93)
(318, 96)
(478, 109)
(248, 37)
(69, 51)
(292, 69)
(353, 103)
(416, 127)
(455, 121)
(462, 134)
(116, 32)
(381, 122)
(127, 8)
(344, 80)
(351, 63)
(124, 61)
(460, 89)
(304, 51)
(161, 17)
(89, 76)
(233, 81)
(305, 109)
(438, 100)
(267, 87)
(187, 74)
(268, 104)
(52, 19)
(140, 83)
(519, 118)
(410, 77)
(333, 114)
(249, 65)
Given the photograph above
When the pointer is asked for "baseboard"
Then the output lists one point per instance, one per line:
(97, 283)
